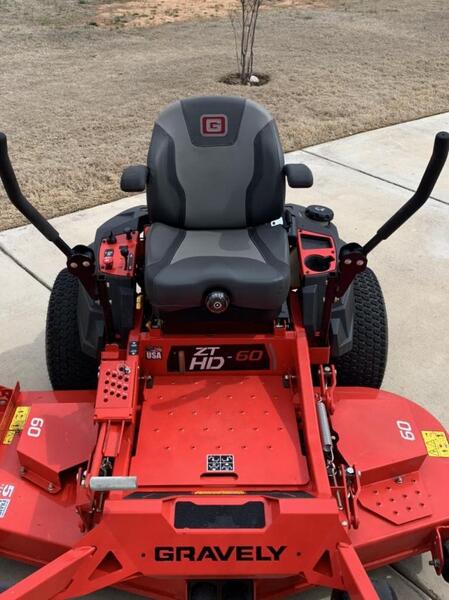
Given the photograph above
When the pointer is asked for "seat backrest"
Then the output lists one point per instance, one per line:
(215, 163)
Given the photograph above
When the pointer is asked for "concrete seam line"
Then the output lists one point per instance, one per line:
(399, 185)
(25, 268)
(415, 582)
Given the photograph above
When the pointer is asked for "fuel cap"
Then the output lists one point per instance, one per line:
(319, 213)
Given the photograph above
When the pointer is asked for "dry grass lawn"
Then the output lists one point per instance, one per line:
(144, 13)
(78, 93)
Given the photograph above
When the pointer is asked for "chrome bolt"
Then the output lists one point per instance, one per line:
(344, 523)
(360, 262)
(22, 471)
(348, 261)
(399, 480)
(350, 471)
(50, 487)
(86, 263)
(435, 563)
(73, 265)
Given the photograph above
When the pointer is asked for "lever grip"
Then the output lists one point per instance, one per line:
(422, 194)
(16, 197)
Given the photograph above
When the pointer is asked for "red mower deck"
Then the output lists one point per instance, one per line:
(265, 510)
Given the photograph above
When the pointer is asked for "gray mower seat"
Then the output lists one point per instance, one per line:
(251, 265)
(216, 182)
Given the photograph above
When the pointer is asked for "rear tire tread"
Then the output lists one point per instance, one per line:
(365, 364)
(68, 367)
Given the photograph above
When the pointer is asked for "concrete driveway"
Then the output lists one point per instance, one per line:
(364, 179)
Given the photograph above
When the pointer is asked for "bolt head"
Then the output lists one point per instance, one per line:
(360, 262)
(348, 261)
(435, 563)
(86, 263)
(344, 523)
(73, 265)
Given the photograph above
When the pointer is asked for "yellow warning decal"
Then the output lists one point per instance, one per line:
(19, 418)
(17, 423)
(9, 437)
(436, 443)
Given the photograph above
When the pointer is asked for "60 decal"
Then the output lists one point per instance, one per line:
(405, 430)
(249, 355)
(35, 427)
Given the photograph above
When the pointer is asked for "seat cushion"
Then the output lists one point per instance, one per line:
(251, 265)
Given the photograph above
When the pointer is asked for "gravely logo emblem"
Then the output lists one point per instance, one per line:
(217, 553)
(214, 125)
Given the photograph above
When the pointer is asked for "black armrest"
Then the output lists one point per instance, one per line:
(134, 178)
(298, 176)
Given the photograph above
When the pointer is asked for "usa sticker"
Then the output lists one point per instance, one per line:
(214, 125)
(153, 353)
(6, 492)
(220, 463)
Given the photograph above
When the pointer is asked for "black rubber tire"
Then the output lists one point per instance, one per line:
(445, 568)
(365, 364)
(203, 591)
(382, 587)
(68, 367)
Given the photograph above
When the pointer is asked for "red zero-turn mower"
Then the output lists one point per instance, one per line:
(217, 431)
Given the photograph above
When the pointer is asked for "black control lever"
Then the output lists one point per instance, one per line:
(353, 257)
(80, 259)
(14, 192)
(422, 194)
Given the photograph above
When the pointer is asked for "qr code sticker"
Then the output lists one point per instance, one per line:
(3, 507)
(220, 463)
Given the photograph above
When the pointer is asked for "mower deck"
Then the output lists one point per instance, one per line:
(224, 489)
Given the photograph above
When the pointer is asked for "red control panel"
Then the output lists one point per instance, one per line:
(118, 254)
(317, 253)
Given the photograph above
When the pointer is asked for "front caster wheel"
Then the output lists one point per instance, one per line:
(382, 587)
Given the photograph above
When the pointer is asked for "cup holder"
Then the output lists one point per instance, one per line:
(318, 263)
